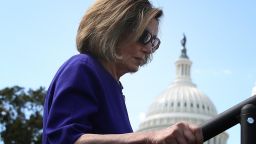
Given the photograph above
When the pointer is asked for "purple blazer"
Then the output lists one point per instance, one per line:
(83, 98)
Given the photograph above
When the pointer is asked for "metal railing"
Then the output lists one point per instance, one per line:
(243, 113)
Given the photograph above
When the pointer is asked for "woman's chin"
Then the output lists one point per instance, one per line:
(134, 69)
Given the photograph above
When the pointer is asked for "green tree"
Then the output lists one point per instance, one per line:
(21, 115)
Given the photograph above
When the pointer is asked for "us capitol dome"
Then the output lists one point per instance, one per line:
(181, 101)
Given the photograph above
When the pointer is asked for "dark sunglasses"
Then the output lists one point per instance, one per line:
(147, 37)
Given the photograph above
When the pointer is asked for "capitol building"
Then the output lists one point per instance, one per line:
(181, 101)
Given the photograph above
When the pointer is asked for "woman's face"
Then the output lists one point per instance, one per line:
(135, 54)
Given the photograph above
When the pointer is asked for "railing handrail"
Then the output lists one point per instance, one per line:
(225, 120)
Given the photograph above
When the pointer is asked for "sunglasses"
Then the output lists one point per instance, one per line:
(147, 37)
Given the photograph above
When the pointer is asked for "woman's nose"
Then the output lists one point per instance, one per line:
(147, 49)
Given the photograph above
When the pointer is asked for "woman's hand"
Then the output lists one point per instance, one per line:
(180, 133)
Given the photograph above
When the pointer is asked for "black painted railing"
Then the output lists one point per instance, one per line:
(243, 113)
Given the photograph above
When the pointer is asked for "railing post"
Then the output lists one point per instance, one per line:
(231, 117)
(248, 124)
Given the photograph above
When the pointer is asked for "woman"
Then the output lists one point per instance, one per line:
(84, 103)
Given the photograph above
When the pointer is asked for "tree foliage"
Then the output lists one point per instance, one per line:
(21, 115)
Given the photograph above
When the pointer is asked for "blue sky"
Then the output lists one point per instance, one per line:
(36, 37)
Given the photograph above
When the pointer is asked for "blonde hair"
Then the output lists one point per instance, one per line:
(107, 22)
